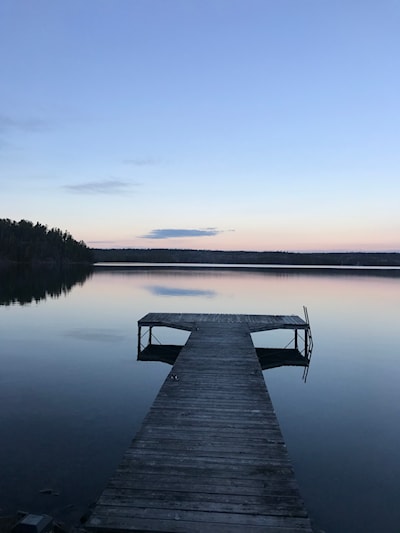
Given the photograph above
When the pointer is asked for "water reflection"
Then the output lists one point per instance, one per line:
(196, 270)
(163, 290)
(23, 285)
(78, 397)
(95, 334)
(163, 353)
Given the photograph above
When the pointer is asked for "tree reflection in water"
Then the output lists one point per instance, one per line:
(24, 284)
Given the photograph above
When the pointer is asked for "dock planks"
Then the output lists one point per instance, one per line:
(209, 456)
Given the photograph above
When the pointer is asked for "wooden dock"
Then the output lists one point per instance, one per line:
(209, 456)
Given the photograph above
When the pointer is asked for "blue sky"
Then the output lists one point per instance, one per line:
(213, 124)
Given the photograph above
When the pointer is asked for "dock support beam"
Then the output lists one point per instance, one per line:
(306, 343)
(139, 345)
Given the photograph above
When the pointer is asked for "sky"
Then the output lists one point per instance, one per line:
(205, 124)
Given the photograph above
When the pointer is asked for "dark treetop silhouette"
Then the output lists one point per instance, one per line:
(25, 242)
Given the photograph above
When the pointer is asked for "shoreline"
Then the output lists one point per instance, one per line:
(238, 266)
(275, 258)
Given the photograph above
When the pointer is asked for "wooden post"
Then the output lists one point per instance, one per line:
(139, 339)
(296, 345)
(150, 330)
(306, 343)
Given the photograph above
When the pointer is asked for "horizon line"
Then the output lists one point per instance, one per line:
(255, 251)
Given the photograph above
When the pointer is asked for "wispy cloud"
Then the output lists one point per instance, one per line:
(9, 123)
(10, 126)
(111, 186)
(142, 161)
(174, 233)
(104, 242)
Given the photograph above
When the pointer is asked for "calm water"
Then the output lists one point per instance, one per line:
(72, 394)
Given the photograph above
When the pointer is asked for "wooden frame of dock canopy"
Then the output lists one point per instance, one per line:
(290, 355)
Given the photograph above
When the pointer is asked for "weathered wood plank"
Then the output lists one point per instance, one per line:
(127, 496)
(171, 501)
(127, 515)
(184, 526)
(229, 486)
(254, 322)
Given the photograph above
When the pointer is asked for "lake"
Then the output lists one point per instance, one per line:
(73, 395)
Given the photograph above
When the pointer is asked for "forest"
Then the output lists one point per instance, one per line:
(28, 243)
(382, 259)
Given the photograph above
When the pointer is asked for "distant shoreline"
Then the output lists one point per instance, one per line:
(237, 266)
(237, 258)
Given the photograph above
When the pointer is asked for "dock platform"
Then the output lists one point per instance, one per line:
(209, 456)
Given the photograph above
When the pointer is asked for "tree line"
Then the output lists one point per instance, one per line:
(25, 242)
(154, 255)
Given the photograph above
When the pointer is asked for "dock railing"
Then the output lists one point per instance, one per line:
(308, 343)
